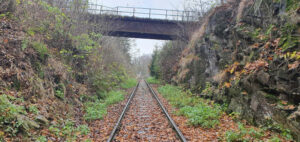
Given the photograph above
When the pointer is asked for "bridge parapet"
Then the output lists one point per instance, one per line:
(134, 22)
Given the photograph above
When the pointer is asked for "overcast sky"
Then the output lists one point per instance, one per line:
(143, 45)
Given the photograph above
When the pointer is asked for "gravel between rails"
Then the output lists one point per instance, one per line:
(145, 121)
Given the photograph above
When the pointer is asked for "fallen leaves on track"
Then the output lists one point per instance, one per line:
(145, 121)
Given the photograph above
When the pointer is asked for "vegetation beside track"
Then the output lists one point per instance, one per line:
(199, 111)
(97, 108)
(206, 114)
(153, 80)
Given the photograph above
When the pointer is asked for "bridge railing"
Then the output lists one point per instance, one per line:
(149, 13)
(138, 12)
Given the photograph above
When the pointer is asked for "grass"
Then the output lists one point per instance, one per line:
(41, 48)
(98, 108)
(202, 115)
(152, 80)
(128, 83)
(68, 130)
(252, 134)
(94, 110)
(197, 110)
(41, 139)
(114, 97)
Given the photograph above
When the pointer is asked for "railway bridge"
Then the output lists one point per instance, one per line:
(147, 23)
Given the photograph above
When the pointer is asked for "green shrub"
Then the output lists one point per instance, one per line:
(152, 80)
(54, 130)
(68, 128)
(60, 94)
(33, 109)
(274, 139)
(129, 83)
(9, 114)
(41, 49)
(41, 139)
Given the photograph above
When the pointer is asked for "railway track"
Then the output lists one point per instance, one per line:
(144, 118)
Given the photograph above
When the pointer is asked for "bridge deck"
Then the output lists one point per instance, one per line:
(133, 27)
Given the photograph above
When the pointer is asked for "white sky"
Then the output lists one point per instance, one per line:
(144, 46)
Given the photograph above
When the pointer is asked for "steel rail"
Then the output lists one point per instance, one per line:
(116, 127)
(113, 133)
(177, 130)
